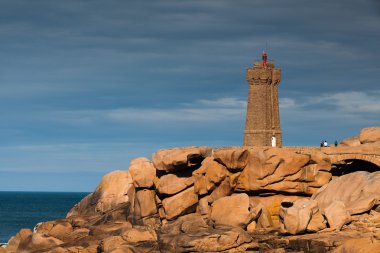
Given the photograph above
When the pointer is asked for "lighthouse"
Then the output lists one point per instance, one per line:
(262, 127)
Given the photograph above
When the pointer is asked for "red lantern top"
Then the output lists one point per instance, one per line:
(264, 57)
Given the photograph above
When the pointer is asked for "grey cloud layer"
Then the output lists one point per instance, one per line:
(170, 71)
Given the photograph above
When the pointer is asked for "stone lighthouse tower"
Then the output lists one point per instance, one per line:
(262, 126)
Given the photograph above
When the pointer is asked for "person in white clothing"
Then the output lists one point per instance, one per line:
(273, 141)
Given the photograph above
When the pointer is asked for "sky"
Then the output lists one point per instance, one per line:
(86, 86)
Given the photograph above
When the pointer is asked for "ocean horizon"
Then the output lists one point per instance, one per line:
(25, 209)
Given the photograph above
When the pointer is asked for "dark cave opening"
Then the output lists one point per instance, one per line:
(348, 166)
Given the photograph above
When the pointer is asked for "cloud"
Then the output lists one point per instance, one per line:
(227, 109)
(353, 102)
(333, 116)
(227, 102)
(200, 111)
(330, 116)
(287, 103)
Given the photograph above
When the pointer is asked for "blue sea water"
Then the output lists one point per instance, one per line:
(25, 209)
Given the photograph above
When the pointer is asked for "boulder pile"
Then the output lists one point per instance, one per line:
(233, 199)
(369, 136)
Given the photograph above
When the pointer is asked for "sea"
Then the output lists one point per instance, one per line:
(26, 209)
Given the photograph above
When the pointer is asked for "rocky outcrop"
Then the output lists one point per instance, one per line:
(233, 158)
(191, 233)
(21, 236)
(179, 158)
(369, 136)
(143, 173)
(111, 191)
(208, 176)
(359, 245)
(273, 203)
(145, 203)
(36, 242)
(301, 216)
(337, 215)
(358, 191)
(232, 199)
(171, 184)
(348, 195)
(280, 170)
(351, 142)
(182, 203)
(234, 211)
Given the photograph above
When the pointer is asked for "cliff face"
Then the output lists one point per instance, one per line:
(236, 199)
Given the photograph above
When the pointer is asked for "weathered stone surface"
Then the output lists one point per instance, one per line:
(223, 190)
(359, 191)
(77, 221)
(111, 243)
(203, 207)
(61, 230)
(62, 250)
(337, 215)
(316, 223)
(209, 175)
(372, 144)
(232, 211)
(202, 185)
(21, 236)
(123, 249)
(111, 191)
(135, 235)
(146, 201)
(251, 226)
(321, 160)
(272, 204)
(182, 203)
(171, 184)
(45, 227)
(317, 178)
(179, 158)
(295, 216)
(143, 173)
(233, 158)
(286, 162)
(263, 162)
(261, 214)
(193, 225)
(190, 233)
(38, 241)
(77, 234)
(359, 245)
(351, 142)
(264, 218)
(275, 171)
(161, 213)
(113, 228)
(349, 194)
(369, 135)
(213, 171)
(235, 239)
